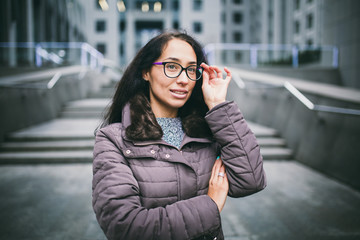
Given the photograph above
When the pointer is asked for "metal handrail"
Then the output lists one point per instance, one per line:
(21, 81)
(315, 107)
(49, 85)
(40, 52)
(304, 100)
(210, 51)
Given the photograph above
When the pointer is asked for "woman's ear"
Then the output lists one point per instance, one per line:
(145, 75)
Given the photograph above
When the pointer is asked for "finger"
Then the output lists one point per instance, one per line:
(222, 170)
(218, 164)
(205, 78)
(206, 73)
(215, 169)
(228, 74)
(205, 66)
(218, 71)
(212, 72)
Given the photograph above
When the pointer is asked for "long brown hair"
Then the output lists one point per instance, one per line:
(132, 82)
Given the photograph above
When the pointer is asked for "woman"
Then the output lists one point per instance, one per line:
(157, 171)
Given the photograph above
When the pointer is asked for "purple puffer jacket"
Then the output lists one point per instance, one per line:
(152, 190)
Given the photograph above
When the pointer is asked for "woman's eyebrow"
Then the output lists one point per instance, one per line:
(178, 60)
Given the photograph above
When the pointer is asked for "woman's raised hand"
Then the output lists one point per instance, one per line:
(214, 86)
(218, 184)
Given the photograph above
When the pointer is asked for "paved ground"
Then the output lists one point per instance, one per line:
(54, 202)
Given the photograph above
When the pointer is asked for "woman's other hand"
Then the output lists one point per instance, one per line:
(214, 86)
(218, 184)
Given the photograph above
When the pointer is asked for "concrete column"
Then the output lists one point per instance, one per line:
(130, 38)
(30, 30)
(12, 50)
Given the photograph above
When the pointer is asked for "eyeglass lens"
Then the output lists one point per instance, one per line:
(174, 70)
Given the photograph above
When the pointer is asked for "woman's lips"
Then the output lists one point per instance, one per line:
(179, 93)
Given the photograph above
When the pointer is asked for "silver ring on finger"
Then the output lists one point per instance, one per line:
(221, 174)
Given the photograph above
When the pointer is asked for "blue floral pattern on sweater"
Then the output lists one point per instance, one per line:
(172, 129)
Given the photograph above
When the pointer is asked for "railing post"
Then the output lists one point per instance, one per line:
(335, 62)
(38, 55)
(209, 51)
(253, 56)
(84, 60)
(295, 57)
(92, 59)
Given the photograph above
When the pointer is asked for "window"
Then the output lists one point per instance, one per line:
(309, 42)
(237, 1)
(297, 4)
(101, 47)
(237, 37)
(197, 27)
(101, 5)
(237, 17)
(224, 56)
(122, 25)
(223, 18)
(197, 5)
(97, 5)
(175, 24)
(121, 49)
(238, 56)
(148, 6)
(157, 7)
(309, 21)
(100, 26)
(121, 6)
(223, 37)
(175, 5)
(297, 27)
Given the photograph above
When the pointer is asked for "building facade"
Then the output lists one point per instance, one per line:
(119, 28)
(28, 21)
(101, 27)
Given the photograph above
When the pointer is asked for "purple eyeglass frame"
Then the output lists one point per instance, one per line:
(182, 69)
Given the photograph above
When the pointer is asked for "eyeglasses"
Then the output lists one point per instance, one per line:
(173, 70)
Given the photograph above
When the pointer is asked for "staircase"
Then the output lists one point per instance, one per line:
(70, 138)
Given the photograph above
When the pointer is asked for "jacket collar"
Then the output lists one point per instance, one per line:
(141, 125)
(126, 122)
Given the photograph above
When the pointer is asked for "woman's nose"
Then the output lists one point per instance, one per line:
(182, 78)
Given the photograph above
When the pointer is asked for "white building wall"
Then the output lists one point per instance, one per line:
(208, 16)
(110, 37)
(308, 35)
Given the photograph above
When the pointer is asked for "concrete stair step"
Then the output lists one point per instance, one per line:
(85, 156)
(86, 108)
(88, 105)
(58, 129)
(271, 142)
(262, 131)
(107, 92)
(47, 146)
(82, 114)
(276, 153)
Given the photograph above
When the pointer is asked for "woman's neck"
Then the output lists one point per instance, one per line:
(164, 113)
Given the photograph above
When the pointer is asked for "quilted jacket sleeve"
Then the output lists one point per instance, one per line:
(240, 151)
(119, 211)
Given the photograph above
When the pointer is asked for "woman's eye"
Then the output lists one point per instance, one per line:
(172, 66)
(192, 70)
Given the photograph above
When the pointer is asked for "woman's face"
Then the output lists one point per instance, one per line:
(167, 95)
